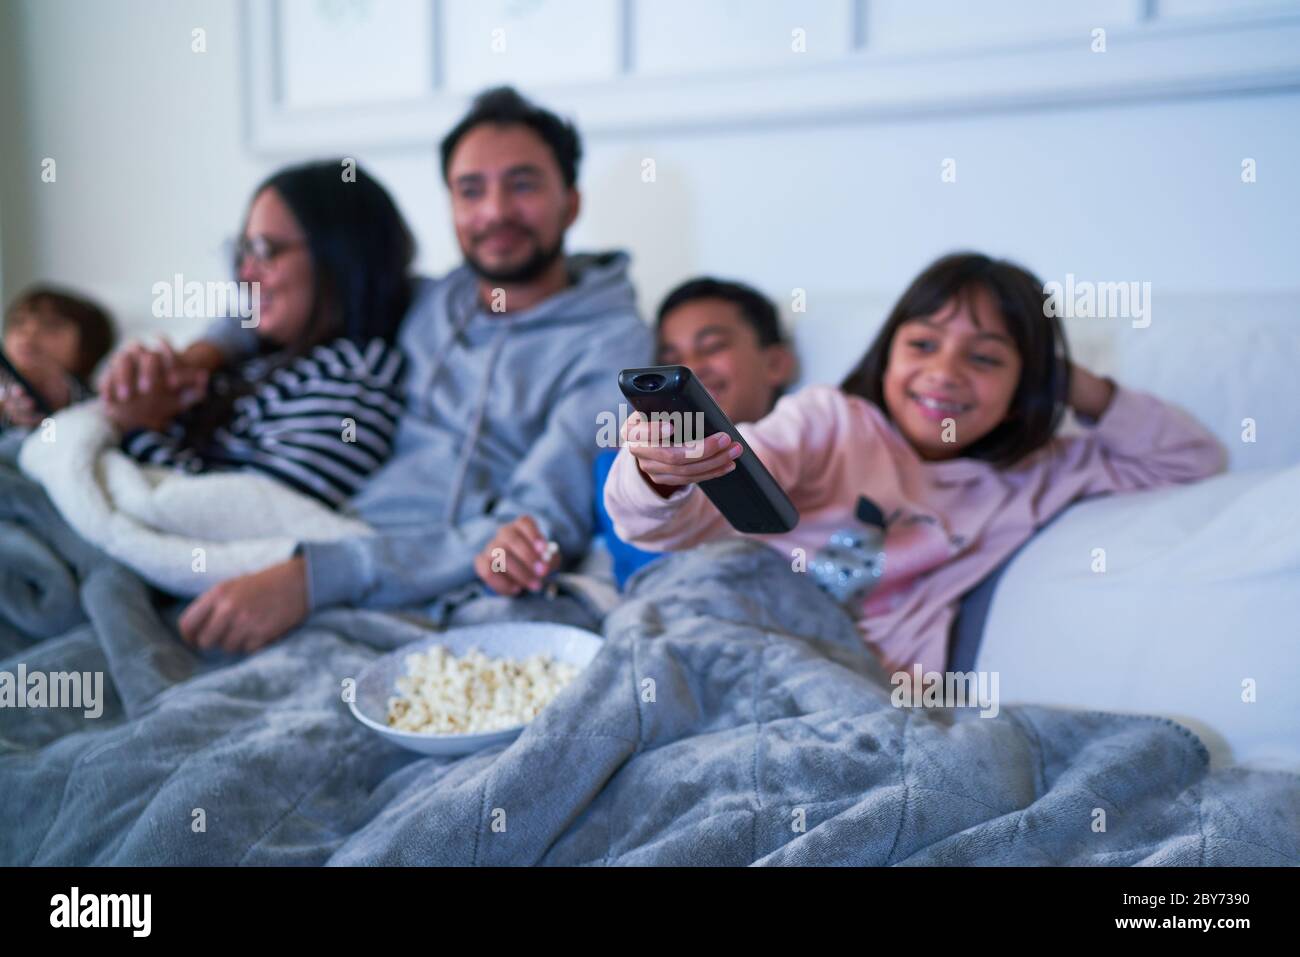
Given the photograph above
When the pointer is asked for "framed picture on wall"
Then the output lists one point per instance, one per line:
(530, 42)
(638, 65)
(327, 50)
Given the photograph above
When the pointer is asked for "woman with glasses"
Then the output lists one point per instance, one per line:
(309, 393)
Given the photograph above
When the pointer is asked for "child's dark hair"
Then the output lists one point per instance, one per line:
(96, 334)
(755, 308)
(1039, 400)
(361, 250)
(503, 106)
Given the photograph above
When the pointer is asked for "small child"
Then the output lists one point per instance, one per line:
(931, 463)
(55, 339)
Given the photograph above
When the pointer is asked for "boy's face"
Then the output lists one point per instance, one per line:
(510, 205)
(714, 340)
(944, 366)
(41, 336)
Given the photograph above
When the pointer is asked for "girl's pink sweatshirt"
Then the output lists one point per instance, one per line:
(948, 523)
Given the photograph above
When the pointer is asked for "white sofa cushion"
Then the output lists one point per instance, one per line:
(1200, 594)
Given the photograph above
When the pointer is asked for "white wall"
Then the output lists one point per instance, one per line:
(153, 172)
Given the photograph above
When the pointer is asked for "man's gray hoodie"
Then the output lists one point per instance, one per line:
(502, 415)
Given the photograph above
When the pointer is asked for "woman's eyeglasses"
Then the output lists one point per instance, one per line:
(263, 249)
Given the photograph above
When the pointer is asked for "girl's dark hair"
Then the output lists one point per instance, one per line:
(361, 250)
(1040, 397)
(95, 332)
(361, 253)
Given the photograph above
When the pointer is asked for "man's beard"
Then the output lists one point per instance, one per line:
(527, 271)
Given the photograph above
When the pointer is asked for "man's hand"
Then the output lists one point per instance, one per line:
(517, 558)
(242, 615)
(145, 388)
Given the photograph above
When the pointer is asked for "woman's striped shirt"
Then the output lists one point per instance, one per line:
(321, 423)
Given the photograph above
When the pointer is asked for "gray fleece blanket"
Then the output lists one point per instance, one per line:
(731, 718)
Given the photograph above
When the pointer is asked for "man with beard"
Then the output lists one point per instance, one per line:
(511, 358)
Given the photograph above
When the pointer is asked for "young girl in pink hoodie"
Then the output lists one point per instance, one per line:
(933, 461)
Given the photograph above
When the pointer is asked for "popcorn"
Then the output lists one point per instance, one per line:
(473, 694)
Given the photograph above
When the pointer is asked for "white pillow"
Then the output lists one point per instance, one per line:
(1200, 593)
(1223, 362)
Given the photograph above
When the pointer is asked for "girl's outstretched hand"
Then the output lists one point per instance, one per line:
(666, 466)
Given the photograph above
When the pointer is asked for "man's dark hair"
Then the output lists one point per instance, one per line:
(503, 106)
(755, 308)
(95, 332)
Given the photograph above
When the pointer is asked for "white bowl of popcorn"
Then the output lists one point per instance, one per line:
(469, 688)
